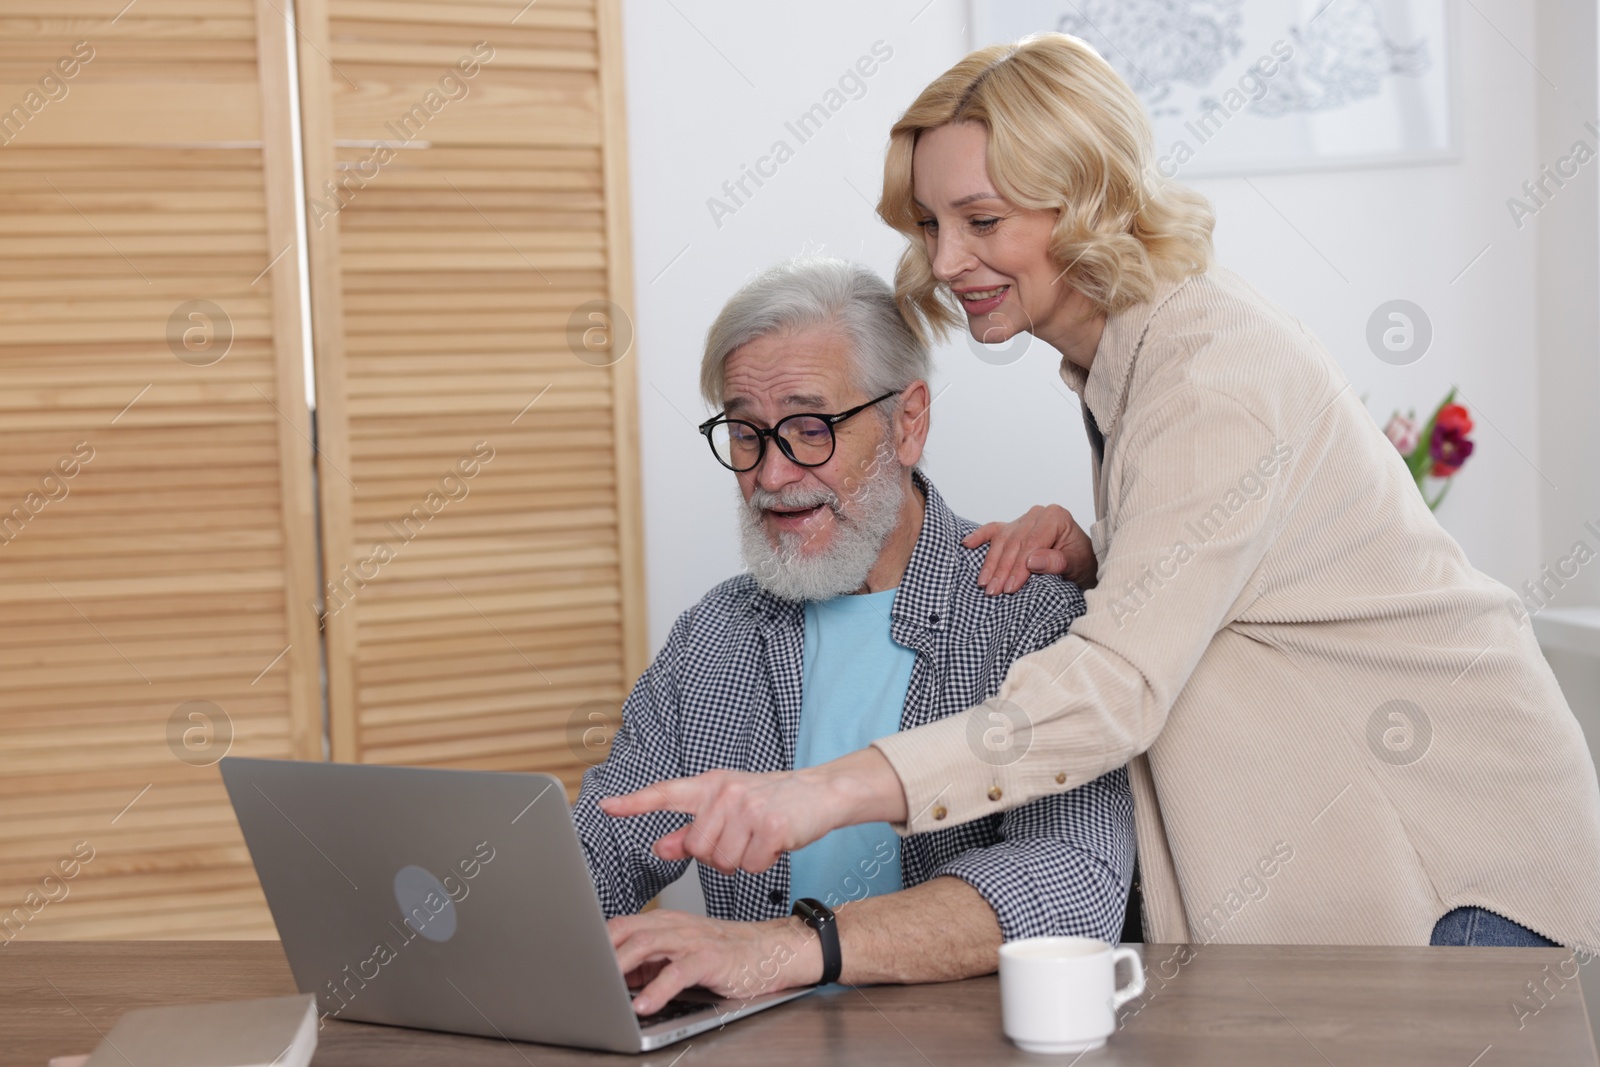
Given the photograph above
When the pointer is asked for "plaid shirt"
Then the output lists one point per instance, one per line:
(725, 692)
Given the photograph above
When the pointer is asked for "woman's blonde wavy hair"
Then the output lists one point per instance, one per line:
(1066, 134)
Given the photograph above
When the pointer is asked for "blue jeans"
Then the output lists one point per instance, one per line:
(1479, 926)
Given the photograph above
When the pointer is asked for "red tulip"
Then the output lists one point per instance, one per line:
(1454, 420)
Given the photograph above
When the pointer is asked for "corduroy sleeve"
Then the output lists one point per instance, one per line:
(1199, 486)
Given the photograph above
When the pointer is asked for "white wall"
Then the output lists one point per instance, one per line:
(1407, 233)
(1001, 437)
(711, 84)
(1568, 232)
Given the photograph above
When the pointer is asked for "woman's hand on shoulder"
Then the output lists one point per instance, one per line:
(1047, 540)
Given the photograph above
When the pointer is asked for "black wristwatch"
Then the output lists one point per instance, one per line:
(819, 917)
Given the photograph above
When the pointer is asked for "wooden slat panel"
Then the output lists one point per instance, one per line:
(444, 280)
(174, 564)
(140, 113)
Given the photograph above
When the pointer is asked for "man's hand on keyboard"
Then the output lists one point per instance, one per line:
(663, 953)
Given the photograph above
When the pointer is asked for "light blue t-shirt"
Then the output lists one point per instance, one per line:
(854, 684)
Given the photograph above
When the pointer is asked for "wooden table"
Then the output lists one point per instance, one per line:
(1230, 1005)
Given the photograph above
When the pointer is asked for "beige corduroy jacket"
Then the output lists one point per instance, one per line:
(1337, 729)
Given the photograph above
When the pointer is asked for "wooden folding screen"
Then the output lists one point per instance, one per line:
(156, 521)
(470, 287)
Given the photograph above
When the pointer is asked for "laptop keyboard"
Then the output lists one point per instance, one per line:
(673, 1009)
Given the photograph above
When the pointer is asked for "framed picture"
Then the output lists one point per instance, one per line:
(1252, 86)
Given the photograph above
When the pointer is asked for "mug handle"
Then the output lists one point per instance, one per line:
(1135, 985)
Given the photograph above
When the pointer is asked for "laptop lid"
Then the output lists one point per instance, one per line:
(439, 899)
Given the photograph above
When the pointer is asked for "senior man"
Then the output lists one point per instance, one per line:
(860, 615)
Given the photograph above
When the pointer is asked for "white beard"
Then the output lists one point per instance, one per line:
(858, 538)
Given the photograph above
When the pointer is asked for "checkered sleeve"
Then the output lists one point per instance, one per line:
(645, 750)
(1062, 864)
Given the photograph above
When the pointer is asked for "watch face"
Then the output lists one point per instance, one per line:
(812, 910)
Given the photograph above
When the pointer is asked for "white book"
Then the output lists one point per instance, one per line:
(270, 1032)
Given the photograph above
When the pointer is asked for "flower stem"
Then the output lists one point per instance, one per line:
(1433, 504)
(1421, 458)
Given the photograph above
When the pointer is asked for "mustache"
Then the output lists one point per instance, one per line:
(793, 497)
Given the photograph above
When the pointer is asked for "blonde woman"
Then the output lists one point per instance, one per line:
(1336, 729)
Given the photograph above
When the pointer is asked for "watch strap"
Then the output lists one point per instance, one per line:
(820, 918)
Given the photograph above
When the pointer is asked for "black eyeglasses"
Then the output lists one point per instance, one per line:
(807, 438)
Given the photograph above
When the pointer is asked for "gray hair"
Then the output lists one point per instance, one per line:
(813, 291)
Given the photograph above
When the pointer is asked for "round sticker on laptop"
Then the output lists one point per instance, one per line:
(425, 906)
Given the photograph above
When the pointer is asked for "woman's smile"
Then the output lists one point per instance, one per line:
(982, 301)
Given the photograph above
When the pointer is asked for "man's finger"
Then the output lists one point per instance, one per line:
(706, 849)
(659, 921)
(644, 974)
(768, 838)
(645, 946)
(672, 847)
(757, 856)
(674, 794)
(672, 980)
(703, 839)
(618, 929)
(729, 847)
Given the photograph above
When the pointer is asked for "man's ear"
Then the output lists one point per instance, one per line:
(911, 423)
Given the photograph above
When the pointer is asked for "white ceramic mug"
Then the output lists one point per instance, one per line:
(1060, 994)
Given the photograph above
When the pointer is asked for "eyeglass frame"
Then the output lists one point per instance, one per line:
(762, 433)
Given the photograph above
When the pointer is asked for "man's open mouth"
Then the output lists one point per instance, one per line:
(784, 514)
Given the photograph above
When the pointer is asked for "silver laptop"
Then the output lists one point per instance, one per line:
(447, 900)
